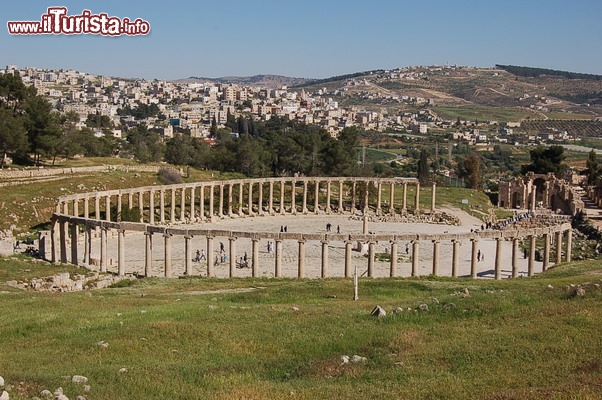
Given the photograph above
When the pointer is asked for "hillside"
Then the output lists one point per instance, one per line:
(266, 81)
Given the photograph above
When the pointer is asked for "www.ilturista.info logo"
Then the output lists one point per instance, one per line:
(57, 22)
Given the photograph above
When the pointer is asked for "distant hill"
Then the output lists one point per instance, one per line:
(537, 72)
(267, 81)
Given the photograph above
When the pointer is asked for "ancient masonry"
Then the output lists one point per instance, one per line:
(162, 212)
(540, 191)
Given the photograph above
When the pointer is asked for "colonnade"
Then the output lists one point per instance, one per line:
(163, 207)
(204, 201)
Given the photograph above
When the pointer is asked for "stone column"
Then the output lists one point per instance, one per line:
(417, 201)
(328, 209)
(251, 198)
(86, 208)
(148, 254)
(211, 190)
(141, 205)
(301, 271)
(108, 208)
(324, 259)
(455, 257)
(220, 206)
(63, 240)
(404, 207)
(192, 207)
(202, 202)
(130, 201)
(76, 208)
(514, 257)
(546, 252)
(569, 244)
(282, 208)
(260, 200)
(341, 208)
(103, 249)
(240, 196)
(348, 250)
(393, 266)
(558, 247)
(498, 258)
(293, 199)
(167, 261)
(533, 196)
(97, 207)
(366, 197)
(531, 269)
(55, 240)
(392, 199)
(230, 186)
(278, 261)
(415, 256)
(255, 257)
(371, 254)
(271, 199)
(172, 207)
(435, 257)
(353, 194)
(317, 197)
(162, 206)
(151, 207)
(304, 197)
(210, 256)
(474, 258)
(433, 197)
(119, 207)
(74, 234)
(379, 188)
(87, 245)
(232, 256)
(183, 204)
(187, 255)
(121, 252)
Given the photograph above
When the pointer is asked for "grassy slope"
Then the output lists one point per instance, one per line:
(510, 339)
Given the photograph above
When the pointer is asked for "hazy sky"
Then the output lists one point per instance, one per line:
(313, 39)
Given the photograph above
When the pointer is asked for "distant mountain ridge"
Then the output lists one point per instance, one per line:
(267, 81)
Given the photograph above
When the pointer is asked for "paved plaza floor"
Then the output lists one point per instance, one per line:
(135, 248)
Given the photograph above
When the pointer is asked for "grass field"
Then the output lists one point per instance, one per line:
(282, 339)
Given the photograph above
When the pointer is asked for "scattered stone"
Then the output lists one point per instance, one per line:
(465, 292)
(80, 397)
(212, 307)
(79, 379)
(102, 344)
(4, 395)
(423, 307)
(379, 312)
(86, 388)
(398, 310)
(549, 287)
(358, 359)
(435, 300)
(46, 393)
(61, 397)
(123, 370)
(344, 360)
(1, 381)
(580, 292)
(295, 308)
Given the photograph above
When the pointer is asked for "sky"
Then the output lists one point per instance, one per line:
(311, 38)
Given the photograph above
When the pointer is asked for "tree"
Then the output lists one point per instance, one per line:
(13, 137)
(423, 170)
(470, 169)
(548, 160)
(42, 127)
(594, 169)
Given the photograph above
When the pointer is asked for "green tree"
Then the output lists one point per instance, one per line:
(470, 169)
(594, 169)
(42, 127)
(13, 137)
(423, 170)
(545, 160)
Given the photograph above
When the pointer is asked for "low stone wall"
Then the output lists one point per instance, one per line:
(42, 172)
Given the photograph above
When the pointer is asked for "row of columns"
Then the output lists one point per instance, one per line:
(61, 231)
(225, 206)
